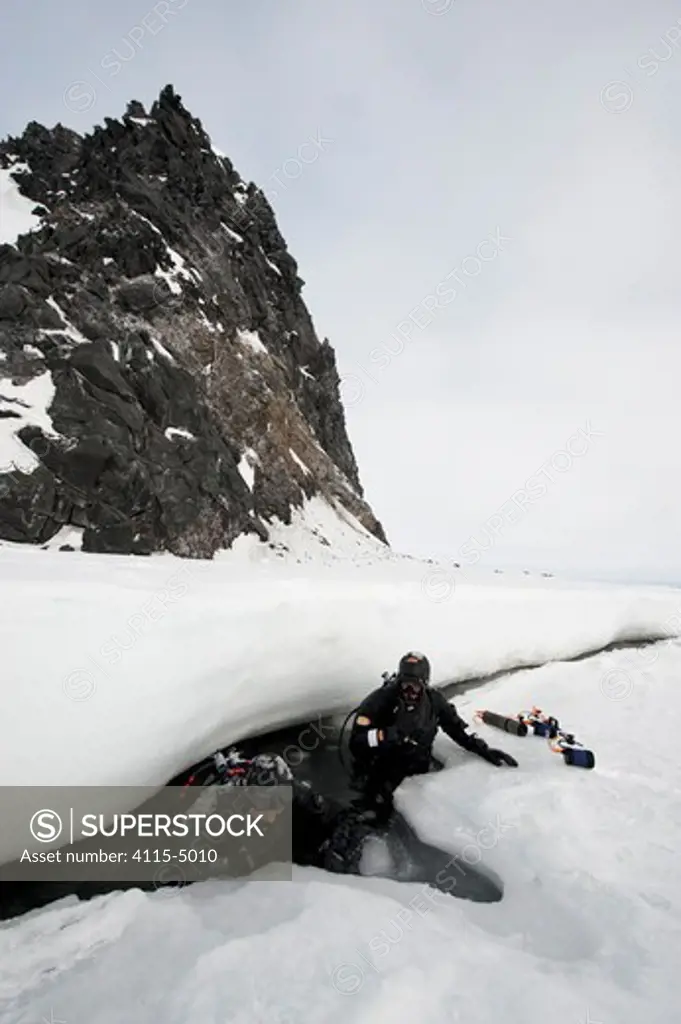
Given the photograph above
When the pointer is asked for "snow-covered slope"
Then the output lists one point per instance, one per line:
(589, 931)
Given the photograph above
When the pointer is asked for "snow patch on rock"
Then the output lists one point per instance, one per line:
(16, 210)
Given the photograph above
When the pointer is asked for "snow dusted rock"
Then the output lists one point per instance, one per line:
(150, 290)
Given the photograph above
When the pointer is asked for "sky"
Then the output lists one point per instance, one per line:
(483, 198)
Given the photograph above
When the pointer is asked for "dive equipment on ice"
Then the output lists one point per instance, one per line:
(560, 742)
(545, 726)
(511, 725)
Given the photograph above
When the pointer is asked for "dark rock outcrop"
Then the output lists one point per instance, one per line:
(152, 335)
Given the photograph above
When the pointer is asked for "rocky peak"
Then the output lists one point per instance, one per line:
(161, 383)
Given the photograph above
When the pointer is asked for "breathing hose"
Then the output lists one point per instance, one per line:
(341, 736)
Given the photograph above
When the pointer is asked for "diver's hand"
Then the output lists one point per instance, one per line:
(499, 757)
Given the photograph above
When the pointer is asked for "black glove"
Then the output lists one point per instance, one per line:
(498, 757)
(491, 754)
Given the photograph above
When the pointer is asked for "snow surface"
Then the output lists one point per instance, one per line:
(72, 535)
(31, 402)
(206, 322)
(589, 928)
(269, 262)
(16, 210)
(124, 671)
(179, 264)
(246, 467)
(68, 330)
(252, 340)
(173, 432)
(169, 278)
(299, 461)
(162, 350)
(232, 234)
(209, 652)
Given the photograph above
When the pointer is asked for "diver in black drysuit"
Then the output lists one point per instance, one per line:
(394, 730)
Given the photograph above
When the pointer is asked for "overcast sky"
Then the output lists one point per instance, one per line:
(488, 230)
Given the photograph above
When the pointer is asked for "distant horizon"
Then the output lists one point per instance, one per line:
(588, 574)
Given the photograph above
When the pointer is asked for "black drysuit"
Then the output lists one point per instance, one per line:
(325, 834)
(391, 740)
